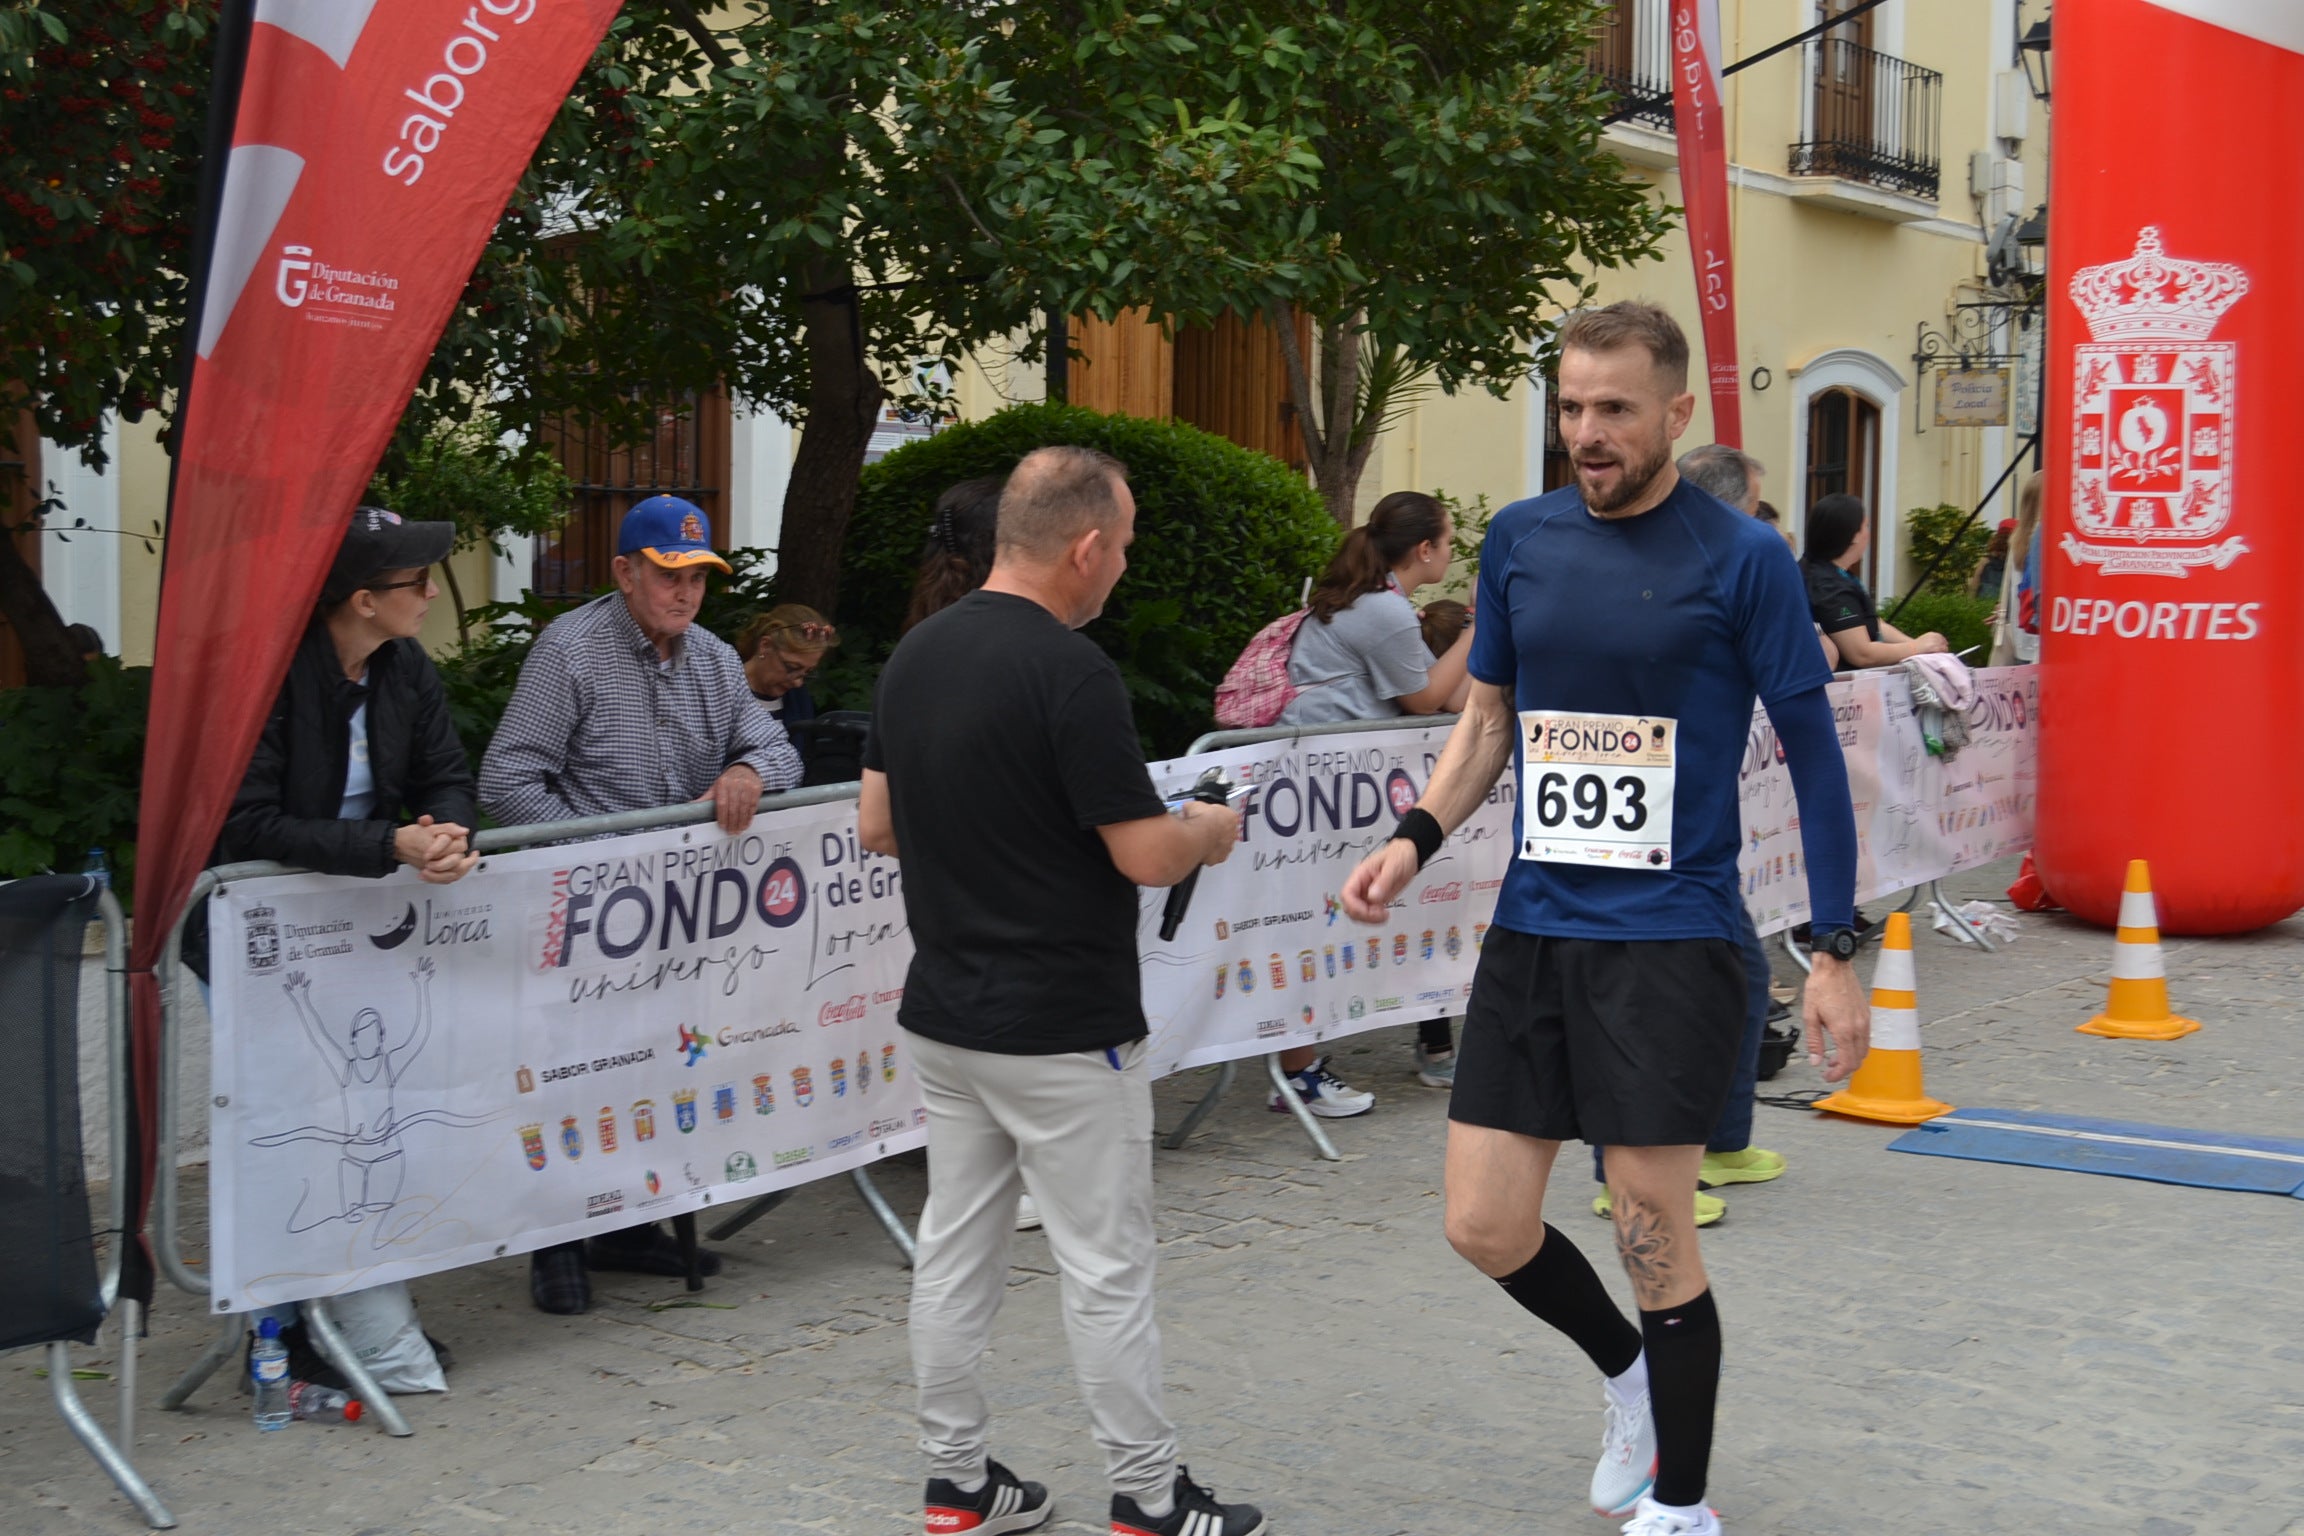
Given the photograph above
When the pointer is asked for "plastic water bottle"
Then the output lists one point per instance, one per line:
(268, 1366)
(99, 868)
(316, 1404)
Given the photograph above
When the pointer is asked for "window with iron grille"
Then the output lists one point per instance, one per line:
(1632, 51)
(1873, 118)
(685, 455)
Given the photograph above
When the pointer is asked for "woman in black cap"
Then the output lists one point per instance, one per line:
(358, 770)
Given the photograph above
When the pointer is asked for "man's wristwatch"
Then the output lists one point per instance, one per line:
(1839, 943)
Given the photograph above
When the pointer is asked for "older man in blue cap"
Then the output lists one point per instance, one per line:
(623, 705)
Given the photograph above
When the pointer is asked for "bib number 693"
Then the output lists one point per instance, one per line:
(1590, 799)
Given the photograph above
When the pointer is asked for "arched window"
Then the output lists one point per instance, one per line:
(1844, 457)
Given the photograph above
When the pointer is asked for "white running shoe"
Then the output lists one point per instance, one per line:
(1653, 1519)
(1326, 1094)
(1027, 1214)
(1627, 1468)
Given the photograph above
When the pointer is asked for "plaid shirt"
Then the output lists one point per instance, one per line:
(600, 723)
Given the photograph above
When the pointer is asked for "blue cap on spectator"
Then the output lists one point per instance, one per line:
(669, 531)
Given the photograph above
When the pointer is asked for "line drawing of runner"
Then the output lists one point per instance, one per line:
(367, 1069)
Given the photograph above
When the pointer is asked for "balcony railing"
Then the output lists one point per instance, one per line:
(1876, 120)
(1632, 52)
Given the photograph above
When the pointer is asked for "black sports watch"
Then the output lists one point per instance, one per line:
(1839, 943)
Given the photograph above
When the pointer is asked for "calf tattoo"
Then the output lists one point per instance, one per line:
(1645, 1243)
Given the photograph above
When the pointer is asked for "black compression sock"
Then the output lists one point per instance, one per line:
(1683, 1379)
(1559, 1286)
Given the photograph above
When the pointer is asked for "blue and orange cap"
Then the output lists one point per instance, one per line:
(673, 533)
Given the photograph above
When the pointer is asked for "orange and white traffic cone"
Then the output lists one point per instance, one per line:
(2138, 1006)
(1886, 1086)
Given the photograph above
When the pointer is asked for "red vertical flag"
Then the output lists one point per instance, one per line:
(1696, 119)
(373, 150)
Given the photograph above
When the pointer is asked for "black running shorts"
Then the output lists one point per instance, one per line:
(1620, 1043)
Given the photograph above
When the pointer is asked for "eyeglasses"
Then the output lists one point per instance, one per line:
(794, 671)
(423, 579)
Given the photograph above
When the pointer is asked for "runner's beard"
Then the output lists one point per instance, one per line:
(1631, 484)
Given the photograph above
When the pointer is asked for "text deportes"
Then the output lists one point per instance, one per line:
(464, 55)
(2138, 620)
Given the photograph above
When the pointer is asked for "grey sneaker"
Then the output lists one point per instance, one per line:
(1435, 1069)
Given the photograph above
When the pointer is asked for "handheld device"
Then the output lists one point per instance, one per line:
(1212, 789)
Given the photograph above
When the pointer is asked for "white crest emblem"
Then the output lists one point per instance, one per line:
(2152, 414)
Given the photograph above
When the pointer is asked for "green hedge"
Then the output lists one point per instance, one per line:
(71, 761)
(1224, 540)
(1963, 620)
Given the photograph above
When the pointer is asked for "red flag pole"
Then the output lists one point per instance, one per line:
(371, 151)
(1696, 122)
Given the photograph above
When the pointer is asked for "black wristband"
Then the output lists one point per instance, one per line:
(1421, 828)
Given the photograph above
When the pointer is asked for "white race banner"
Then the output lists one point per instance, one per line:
(411, 1077)
(1266, 958)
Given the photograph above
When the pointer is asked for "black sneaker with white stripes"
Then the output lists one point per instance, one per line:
(1196, 1514)
(1004, 1503)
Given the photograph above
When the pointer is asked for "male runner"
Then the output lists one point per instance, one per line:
(1627, 625)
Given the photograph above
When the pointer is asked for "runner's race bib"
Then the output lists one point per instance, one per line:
(1596, 789)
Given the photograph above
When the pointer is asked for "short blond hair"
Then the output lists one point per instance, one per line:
(1631, 323)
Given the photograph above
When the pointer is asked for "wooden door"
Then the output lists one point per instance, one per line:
(686, 455)
(1844, 458)
(1844, 78)
(1232, 380)
(1125, 366)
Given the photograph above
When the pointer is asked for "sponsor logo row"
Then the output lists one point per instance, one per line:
(1331, 959)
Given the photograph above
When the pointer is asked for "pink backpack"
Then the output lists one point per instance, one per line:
(1257, 688)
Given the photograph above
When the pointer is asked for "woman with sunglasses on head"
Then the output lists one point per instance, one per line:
(781, 649)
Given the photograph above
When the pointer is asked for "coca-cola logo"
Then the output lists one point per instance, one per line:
(841, 1013)
(1452, 891)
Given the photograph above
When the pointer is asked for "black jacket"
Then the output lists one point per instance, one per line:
(288, 799)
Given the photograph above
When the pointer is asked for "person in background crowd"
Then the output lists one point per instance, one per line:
(2016, 622)
(1003, 769)
(960, 547)
(1360, 655)
(1767, 513)
(1991, 573)
(780, 649)
(358, 770)
(624, 704)
(85, 640)
(1441, 622)
(1838, 535)
(1733, 476)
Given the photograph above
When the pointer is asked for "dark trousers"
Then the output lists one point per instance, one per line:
(1732, 1132)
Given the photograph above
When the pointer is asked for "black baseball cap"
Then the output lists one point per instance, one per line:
(380, 541)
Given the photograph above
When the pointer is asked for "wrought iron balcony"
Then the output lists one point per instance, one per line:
(1632, 52)
(1875, 120)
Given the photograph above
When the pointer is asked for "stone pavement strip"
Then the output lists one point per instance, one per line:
(1915, 1345)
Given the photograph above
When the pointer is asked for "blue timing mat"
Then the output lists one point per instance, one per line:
(2164, 1154)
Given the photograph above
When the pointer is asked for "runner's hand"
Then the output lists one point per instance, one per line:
(1384, 874)
(1833, 1004)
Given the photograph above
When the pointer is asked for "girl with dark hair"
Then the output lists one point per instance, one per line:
(960, 547)
(1839, 532)
(1360, 655)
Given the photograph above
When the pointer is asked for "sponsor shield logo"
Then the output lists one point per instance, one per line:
(532, 1146)
(262, 926)
(684, 1109)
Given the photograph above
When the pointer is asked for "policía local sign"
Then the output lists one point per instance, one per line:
(1972, 397)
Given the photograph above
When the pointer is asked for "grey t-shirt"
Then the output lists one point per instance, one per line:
(1358, 664)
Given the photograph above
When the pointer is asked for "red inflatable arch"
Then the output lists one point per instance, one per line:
(2172, 642)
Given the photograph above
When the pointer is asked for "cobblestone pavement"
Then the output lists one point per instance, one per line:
(1915, 1345)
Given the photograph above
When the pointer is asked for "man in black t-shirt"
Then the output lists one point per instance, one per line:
(1838, 535)
(1003, 766)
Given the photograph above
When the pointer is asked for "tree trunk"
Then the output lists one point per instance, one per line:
(51, 660)
(843, 402)
(1336, 444)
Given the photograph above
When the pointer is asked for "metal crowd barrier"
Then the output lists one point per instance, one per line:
(168, 1196)
(111, 1456)
(1218, 741)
